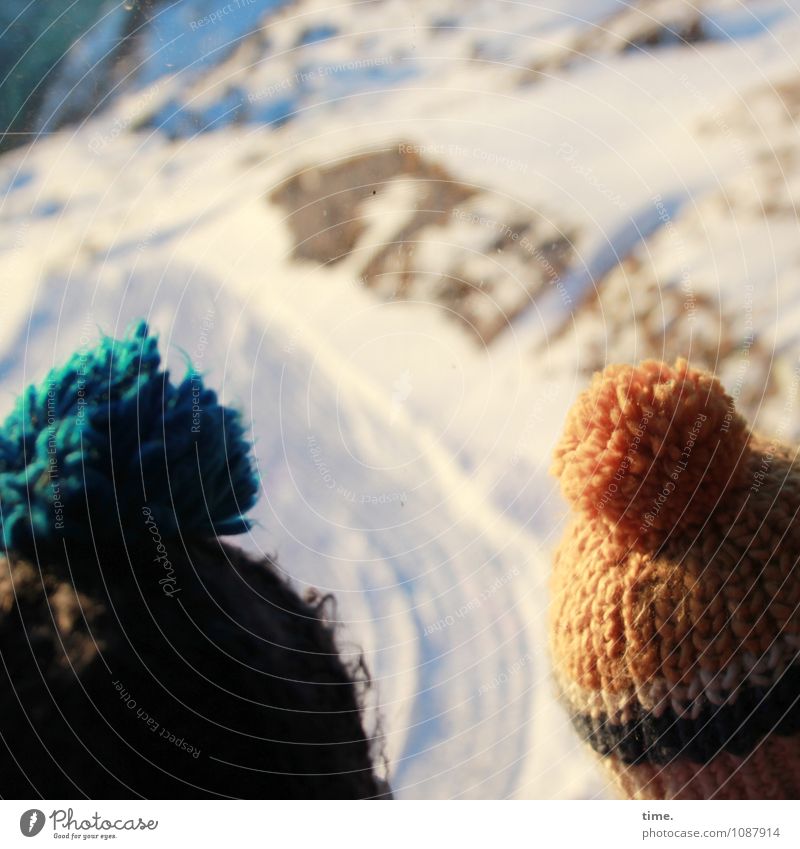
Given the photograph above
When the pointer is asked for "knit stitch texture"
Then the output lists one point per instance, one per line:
(675, 620)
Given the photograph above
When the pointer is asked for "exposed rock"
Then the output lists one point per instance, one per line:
(481, 258)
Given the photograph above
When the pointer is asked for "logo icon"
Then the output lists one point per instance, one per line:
(31, 822)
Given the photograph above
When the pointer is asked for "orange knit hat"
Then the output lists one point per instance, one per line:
(675, 623)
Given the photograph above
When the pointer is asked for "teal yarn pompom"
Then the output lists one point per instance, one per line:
(107, 440)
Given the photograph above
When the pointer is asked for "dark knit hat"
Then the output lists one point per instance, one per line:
(675, 623)
(144, 655)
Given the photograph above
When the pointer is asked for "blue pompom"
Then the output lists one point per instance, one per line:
(107, 440)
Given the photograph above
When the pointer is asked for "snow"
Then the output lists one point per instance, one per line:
(404, 466)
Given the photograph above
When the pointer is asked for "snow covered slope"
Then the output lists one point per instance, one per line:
(402, 236)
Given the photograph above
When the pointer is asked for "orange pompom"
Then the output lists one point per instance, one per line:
(650, 446)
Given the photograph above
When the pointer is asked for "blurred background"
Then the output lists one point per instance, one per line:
(402, 235)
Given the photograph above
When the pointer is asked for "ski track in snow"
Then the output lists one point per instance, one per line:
(443, 592)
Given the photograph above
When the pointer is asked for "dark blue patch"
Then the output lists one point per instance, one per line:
(736, 728)
(18, 181)
(321, 32)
